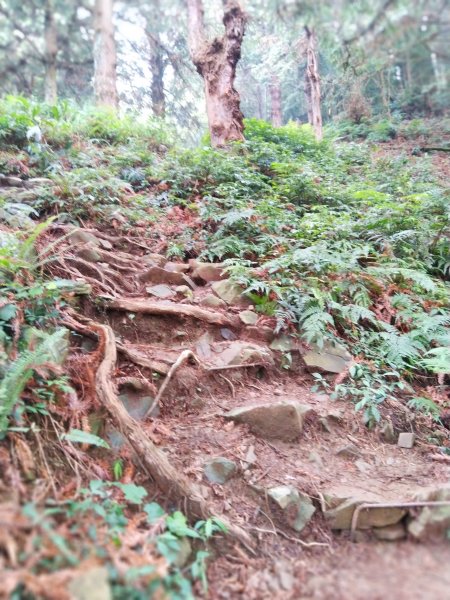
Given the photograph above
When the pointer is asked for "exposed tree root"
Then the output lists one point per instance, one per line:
(139, 359)
(168, 478)
(173, 308)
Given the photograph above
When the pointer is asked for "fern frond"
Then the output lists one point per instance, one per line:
(48, 350)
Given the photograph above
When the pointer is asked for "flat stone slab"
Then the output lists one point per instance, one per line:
(331, 358)
(219, 470)
(390, 533)
(338, 511)
(240, 353)
(406, 440)
(230, 292)
(208, 272)
(161, 291)
(280, 420)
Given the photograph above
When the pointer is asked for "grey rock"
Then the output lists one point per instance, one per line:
(185, 290)
(260, 334)
(212, 302)
(227, 334)
(250, 457)
(340, 517)
(160, 291)
(406, 440)
(92, 584)
(282, 343)
(208, 272)
(175, 267)
(154, 259)
(390, 533)
(106, 244)
(160, 275)
(157, 274)
(332, 358)
(219, 470)
(280, 420)
(203, 346)
(297, 508)
(241, 353)
(230, 292)
(248, 317)
(137, 397)
(89, 254)
(83, 237)
(348, 451)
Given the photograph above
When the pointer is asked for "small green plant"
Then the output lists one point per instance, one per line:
(107, 513)
(426, 406)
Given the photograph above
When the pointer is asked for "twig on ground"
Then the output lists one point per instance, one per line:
(233, 391)
(154, 460)
(291, 539)
(180, 360)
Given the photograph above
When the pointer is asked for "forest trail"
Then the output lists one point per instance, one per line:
(249, 467)
(180, 388)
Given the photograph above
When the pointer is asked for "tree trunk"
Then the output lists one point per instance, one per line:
(157, 67)
(312, 84)
(105, 76)
(216, 61)
(276, 114)
(51, 50)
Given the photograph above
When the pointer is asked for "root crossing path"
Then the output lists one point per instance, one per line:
(191, 378)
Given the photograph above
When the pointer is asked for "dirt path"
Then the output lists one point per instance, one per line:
(298, 443)
(334, 456)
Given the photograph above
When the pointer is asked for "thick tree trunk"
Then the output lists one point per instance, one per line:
(312, 84)
(216, 62)
(276, 115)
(51, 50)
(157, 67)
(105, 76)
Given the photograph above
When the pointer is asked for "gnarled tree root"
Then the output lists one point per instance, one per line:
(173, 308)
(168, 478)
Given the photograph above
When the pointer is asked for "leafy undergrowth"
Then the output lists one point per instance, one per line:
(331, 244)
(145, 552)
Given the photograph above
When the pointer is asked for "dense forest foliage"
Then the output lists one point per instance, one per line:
(314, 186)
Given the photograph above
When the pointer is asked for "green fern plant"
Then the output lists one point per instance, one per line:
(426, 406)
(47, 352)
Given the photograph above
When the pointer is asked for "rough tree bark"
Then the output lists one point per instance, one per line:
(157, 67)
(105, 58)
(312, 84)
(216, 61)
(51, 50)
(276, 113)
